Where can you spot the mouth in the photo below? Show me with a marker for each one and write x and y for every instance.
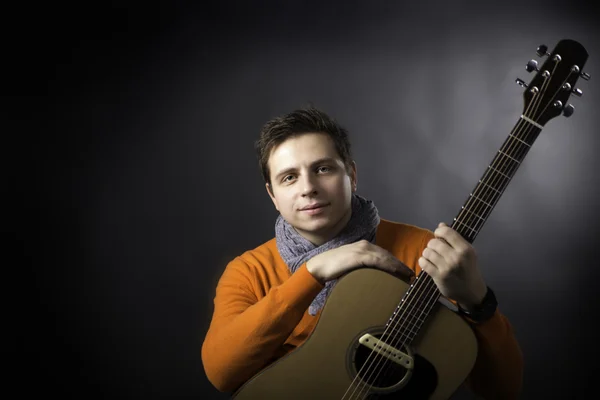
(314, 207)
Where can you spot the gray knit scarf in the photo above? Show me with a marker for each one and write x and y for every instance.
(296, 250)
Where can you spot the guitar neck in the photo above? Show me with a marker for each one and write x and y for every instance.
(423, 293)
(484, 197)
(544, 99)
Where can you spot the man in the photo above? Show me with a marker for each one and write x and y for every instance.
(269, 299)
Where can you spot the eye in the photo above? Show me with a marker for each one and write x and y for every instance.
(324, 169)
(286, 178)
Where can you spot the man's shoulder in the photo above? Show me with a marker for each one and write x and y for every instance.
(264, 254)
(260, 259)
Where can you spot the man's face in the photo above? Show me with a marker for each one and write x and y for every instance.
(306, 171)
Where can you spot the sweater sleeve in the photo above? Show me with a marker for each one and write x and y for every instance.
(498, 370)
(245, 333)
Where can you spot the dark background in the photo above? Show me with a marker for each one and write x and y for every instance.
(132, 179)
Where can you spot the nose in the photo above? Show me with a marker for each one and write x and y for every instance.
(308, 185)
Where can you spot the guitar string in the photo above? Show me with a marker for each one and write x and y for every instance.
(428, 290)
(386, 360)
(417, 296)
(425, 306)
(495, 196)
(520, 148)
(467, 225)
(512, 168)
(431, 298)
(416, 286)
(376, 354)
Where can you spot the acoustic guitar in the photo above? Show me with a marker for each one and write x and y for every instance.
(381, 337)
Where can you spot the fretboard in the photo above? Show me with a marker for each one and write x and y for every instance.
(483, 198)
(417, 303)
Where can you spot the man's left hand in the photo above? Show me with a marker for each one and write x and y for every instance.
(452, 263)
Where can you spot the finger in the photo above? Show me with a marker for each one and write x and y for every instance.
(443, 249)
(428, 267)
(439, 262)
(451, 236)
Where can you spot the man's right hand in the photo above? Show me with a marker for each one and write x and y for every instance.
(336, 262)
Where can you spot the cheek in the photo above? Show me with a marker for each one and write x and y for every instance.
(286, 202)
(343, 186)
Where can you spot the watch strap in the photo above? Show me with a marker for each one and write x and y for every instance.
(483, 311)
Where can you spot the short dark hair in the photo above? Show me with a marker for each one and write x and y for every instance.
(298, 122)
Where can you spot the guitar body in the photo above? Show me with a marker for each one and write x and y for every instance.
(362, 301)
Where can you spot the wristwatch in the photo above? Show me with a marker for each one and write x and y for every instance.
(483, 311)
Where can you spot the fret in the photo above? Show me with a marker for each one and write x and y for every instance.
(530, 136)
(487, 193)
(516, 147)
(497, 180)
(413, 310)
(525, 143)
(505, 165)
(470, 219)
(517, 161)
(489, 186)
(405, 316)
(410, 315)
(483, 201)
(506, 176)
(468, 227)
(471, 212)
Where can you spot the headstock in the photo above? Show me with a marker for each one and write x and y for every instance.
(547, 93)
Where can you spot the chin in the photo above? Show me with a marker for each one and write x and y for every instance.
(316, 227)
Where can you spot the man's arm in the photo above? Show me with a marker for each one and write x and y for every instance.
(498, 369)
(246, 333)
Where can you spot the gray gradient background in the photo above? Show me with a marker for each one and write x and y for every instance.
(140, 183)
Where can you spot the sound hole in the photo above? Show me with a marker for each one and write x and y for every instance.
(385, 377)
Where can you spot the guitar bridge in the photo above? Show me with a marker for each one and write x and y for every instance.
(389, 352)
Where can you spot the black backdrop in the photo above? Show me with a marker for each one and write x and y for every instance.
(134, 181)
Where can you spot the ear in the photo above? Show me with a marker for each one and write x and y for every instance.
(271, 195)
(353, 176)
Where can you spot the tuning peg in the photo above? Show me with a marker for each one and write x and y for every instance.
(585, 76)
(577, 92)
(542, 50)
(568, 110)
(532, 65)
(521, 82)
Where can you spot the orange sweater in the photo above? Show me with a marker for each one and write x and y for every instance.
(261, 314)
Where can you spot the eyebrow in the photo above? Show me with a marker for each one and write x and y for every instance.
(319, 161)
